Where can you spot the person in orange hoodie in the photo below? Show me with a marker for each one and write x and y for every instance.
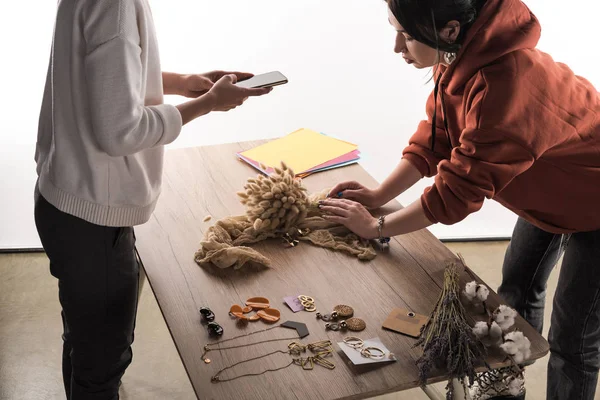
(505, 122)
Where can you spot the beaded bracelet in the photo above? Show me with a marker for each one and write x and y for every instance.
(382, 240)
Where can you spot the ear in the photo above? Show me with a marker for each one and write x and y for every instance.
(450, 32)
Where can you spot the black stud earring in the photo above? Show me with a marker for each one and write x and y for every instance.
(207, 314)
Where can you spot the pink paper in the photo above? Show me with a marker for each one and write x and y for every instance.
(353, 155)
(294, 303)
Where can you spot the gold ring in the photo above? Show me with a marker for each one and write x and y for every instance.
(366, 352)
(354, 342)
(303, 297)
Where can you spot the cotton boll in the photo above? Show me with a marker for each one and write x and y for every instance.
(517, 345)
(526, 344)
(506, 324)
(471, 290)
(519, 339)
(506, 311)
(515, 336)
(481, 329)
(495, 335)
(519, 357)
(526, 354)
(505, 317)
(482, 292)
(495, 331)
(514, 386)
(510, 348)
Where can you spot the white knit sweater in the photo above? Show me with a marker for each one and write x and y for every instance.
(103, 123)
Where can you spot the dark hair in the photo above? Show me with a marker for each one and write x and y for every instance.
(423, 19)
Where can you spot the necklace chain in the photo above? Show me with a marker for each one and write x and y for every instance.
(216, 377)
(207, 347)
(293, 348)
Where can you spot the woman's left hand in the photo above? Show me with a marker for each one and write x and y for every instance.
(196, 85)
(352, 215)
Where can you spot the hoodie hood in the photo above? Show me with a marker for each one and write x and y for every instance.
(521, 129)
(502, 27)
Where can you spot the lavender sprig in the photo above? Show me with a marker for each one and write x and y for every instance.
(447, 339)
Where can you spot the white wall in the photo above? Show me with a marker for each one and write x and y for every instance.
(345, 80)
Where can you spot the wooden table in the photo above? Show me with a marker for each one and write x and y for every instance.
(203, 181)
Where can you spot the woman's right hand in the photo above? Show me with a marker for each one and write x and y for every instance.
(226, 95)
(355, 191)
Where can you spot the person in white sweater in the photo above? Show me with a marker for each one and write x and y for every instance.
(99, 155)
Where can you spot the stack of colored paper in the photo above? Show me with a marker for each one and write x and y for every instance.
(304, 151)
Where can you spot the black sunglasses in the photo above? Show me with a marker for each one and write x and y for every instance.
(208, 317)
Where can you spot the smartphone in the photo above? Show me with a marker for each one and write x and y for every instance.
(269, 79)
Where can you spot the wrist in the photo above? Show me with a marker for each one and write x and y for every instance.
(382, 238)
(210, 100)
(179, 84)
(173, 83)
(374, 228)
(379, 197)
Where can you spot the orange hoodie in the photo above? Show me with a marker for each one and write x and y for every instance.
(522, 129)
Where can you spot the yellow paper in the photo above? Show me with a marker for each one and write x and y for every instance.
(300, 150)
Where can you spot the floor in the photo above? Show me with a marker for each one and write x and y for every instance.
(30, 332)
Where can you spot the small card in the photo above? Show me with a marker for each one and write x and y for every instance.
(406, 322)
(300, 328)
(293, 302)
(358, 359)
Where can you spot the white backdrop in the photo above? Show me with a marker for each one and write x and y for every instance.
(345, 80)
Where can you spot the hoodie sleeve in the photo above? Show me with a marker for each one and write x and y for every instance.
(486, 161)
(418, 152)
(121, 122)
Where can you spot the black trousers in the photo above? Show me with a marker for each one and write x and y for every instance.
(97, 274)
(575, 326)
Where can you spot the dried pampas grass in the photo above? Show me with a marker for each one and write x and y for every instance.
(276, 207)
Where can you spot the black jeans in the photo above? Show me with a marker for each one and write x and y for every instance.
(97, 274)
(575, 326)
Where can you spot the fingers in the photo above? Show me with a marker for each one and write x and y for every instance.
(341, 203)
(336, 190)
(340, 189)
(258, 91)
(350, 194)
(231, 78)
(335, 218)
(241, 76)
(205, 80)
(342, 212)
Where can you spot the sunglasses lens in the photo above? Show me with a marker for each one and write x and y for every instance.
(214, 329)
(207, 314)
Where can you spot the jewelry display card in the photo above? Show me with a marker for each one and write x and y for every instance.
(293, 303)
(358, 359)
(406, 322)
